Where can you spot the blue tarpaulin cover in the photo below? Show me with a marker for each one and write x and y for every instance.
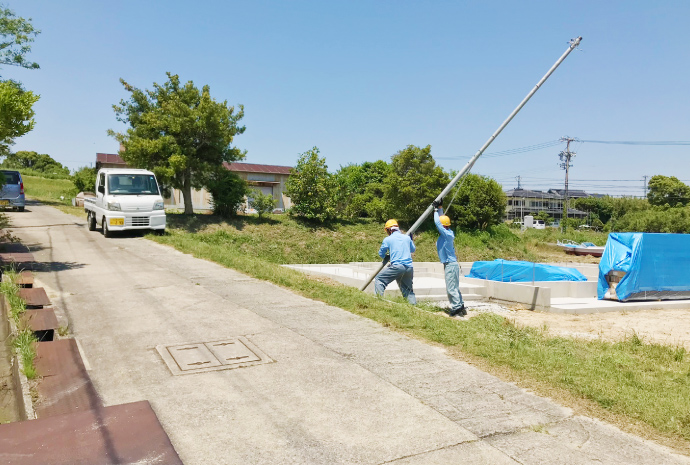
(656, 266)
(520, 272)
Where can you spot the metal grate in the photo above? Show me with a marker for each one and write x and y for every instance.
(137, 221)
(211, 356)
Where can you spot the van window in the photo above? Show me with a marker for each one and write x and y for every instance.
(11, 177)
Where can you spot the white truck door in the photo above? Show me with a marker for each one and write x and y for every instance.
(100, 190)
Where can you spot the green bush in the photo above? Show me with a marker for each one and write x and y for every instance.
(228, 191)
(262, 203)
(312, 188)
(84, 179)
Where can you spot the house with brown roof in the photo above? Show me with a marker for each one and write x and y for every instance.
(109, 160)
(269, 179)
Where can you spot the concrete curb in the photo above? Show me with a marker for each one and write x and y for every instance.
(22, 389)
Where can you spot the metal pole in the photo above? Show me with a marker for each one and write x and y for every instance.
(573, 43)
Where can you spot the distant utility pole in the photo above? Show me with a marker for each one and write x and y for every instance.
(644, 178)
(565, 157)
(519, 178)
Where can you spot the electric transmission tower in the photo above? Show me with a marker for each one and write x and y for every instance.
(566, 156)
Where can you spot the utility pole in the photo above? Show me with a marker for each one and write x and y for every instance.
(519, 178)
(571, 46)
(644, 178)
(565, 157)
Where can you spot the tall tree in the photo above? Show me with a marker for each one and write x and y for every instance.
(671, 191)
(16, 113)
(413, 183)
(179, 132)
(311, 187)
(480, 203)
(16, 36)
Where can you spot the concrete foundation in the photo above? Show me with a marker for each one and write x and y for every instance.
(549, 296)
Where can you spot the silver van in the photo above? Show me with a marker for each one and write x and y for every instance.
(12, 192)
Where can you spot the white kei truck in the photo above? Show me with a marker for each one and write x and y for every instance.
(126, 199)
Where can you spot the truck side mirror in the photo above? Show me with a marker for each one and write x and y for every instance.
(101, 189)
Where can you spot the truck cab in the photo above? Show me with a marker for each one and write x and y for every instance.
(126, 199)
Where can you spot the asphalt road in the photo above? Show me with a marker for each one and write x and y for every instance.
(330, 387)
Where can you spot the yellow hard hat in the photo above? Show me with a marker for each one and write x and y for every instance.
(445, 221)
(391, 223)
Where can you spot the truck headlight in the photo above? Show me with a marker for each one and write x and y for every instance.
(114, 206)
(158, 205)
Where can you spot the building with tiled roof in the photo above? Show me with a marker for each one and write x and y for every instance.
(522, 202)
(269, 179)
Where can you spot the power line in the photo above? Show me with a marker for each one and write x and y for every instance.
(637, 142)
(515, 151)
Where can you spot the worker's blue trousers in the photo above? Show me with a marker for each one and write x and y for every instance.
(452, 272)
(402, 275)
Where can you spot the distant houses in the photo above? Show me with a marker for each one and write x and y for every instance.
(269, 179)
(522, 202)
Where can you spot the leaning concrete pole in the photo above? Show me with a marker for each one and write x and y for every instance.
(573, 44)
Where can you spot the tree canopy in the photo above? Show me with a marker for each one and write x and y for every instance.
(16, 113)
(480, 202)
(40, 162)
(668, 191)
(413, 183)
(16, 36)
(179, 132)
(360, 189)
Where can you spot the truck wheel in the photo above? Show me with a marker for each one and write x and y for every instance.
(106, 231)
(91, 221)
(21, 209)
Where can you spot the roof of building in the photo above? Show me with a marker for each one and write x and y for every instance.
(572, 193)
(110, 158)
(252, 168)
(531, 194)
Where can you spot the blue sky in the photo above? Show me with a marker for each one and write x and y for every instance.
(362, 80)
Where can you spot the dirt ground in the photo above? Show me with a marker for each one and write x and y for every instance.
(668, 327)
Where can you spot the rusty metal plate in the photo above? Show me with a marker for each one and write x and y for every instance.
(201, 357)
(119, 434)
(21, 260)
(35, 297)
(65, 386)
(40, 319)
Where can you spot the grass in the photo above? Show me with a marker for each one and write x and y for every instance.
(24, 340)
(642, 383)
(649, 383)
(49, 191)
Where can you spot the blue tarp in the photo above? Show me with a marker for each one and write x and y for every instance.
(656, 266)
(520, 272)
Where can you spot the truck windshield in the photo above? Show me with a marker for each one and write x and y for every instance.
(132, 184)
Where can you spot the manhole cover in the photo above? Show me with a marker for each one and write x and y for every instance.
(200, 357)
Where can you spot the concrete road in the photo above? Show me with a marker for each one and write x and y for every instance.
(338, 388)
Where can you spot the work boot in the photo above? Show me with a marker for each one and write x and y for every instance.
(458, 311)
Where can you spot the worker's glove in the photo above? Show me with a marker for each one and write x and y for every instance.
(437, 203)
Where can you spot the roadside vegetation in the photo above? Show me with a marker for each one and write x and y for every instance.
(24, 339)
(646, 385)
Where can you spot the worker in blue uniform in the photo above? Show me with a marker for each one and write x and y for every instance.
(399, 247)
(445, 245)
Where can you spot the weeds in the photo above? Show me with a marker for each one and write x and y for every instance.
(24, 339)
(647, 382)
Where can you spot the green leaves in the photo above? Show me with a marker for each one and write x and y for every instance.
(413, 183)
(480, 203)
(312, 188)
(179, 132)
(16, 35)
(16, 113)
(668, 191)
